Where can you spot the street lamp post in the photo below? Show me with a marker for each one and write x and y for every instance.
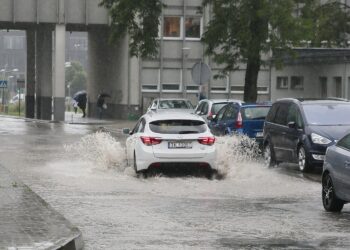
(185, 53)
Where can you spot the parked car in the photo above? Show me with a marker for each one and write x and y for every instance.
(208, 108)
(171, 104)
(245, 119)
(300, 130)
(336, 176)
(163, 140)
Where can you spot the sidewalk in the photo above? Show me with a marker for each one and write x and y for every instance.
(28, 222)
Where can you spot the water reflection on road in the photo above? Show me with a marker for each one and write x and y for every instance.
(85, 177)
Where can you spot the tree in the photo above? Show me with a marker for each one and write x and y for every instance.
(242, 31)
(75, 78)
(140, 19)
(239, 30)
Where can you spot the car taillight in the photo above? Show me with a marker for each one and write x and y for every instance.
(239, 121)
(206, 140)
(149, 141)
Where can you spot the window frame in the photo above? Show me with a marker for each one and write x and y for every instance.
(200, 28)
(170, 37)
(341, 140)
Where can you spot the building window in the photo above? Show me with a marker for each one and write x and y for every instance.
(338, 86)
(150, 79)
(323, 87)
(297, 82)
(219, 84)
(171, 79)
(172, 27)
(282, 82)
(193, 27)
(240, 89)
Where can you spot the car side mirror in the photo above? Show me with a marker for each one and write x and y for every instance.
(126, 131)
(292, 125)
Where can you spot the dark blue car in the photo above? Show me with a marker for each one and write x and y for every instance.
(241, 118)
(336, 176)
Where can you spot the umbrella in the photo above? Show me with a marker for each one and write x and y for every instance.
(80, 96)
(104, 95)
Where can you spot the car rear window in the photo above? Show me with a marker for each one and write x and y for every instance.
(175, 104)
(254, 113)
(217, 106)
(178, 127)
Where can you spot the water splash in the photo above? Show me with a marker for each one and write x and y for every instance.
(237, 153)
(101, 149)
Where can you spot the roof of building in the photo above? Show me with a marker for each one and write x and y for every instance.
(316, 56)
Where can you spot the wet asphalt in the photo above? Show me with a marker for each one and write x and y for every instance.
(84, 176)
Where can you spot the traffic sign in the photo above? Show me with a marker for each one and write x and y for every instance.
(20, 83)
(201, 73)
(3, 84)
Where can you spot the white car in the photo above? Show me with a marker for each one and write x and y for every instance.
(164, 140)
(183, 105)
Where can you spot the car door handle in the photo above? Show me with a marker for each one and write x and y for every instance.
(284, 133)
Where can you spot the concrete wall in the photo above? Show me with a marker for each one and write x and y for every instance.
(311, 75)
(53, 11)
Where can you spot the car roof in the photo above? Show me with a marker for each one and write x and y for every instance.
(306, 101)
(171, 99)
(222, 100)
(171, 115)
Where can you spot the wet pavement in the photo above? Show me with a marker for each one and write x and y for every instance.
(83, 175)
(28, 222)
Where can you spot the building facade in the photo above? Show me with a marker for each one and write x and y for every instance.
(180, 49)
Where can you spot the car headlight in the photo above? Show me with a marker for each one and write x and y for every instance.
(318, 139)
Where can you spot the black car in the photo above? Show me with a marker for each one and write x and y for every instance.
(300, 130)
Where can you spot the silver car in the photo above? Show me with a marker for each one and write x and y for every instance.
(336, 176)
(208, 108)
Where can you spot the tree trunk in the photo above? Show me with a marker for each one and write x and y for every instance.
(251, 79)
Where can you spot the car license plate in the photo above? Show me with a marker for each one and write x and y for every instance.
(259, 134)
(177, 144)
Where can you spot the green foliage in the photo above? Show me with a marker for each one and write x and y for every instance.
(140, 19)
(243, 30)
(75, 77)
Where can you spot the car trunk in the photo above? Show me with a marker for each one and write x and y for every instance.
(178, 146)
(253, 128)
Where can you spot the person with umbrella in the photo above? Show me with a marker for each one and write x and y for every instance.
(101, 103)
(81, 98)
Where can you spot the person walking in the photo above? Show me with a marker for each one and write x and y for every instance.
(101, 103)
(81, 99)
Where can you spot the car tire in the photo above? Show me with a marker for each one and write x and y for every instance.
(268, 154)
(331, 202)
(303, 162)
(135, 164)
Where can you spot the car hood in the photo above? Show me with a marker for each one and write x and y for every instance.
(332, 132)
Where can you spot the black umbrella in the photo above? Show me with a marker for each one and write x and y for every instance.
(104, 95)
(80, 96)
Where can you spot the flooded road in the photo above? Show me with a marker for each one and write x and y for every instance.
(84, 176)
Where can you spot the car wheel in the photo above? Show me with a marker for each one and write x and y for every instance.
(269, 158)
(303, 162)
(330, 201)
(135, 164)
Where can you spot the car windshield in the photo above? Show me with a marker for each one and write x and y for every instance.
(178, 126)
(175, 104)
(254, 113)
(217, 106)
(328, 114)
